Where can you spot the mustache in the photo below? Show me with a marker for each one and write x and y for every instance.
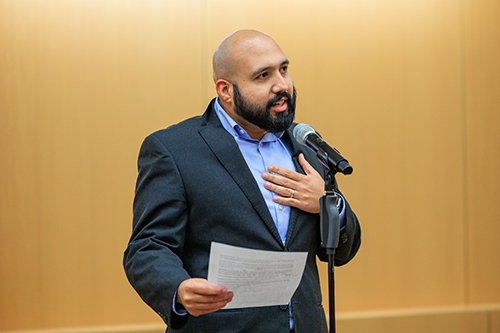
(278, 97)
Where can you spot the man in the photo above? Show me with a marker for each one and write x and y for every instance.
(235, 176)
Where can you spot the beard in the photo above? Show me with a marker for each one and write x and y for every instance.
(261, 116)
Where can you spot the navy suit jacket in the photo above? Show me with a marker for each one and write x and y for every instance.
(193, 188)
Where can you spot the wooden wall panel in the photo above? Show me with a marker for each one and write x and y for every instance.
(83, 82)
(431, 323)
(482, 114)
(495, 322)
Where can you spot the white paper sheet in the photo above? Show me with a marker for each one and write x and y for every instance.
(256, 277)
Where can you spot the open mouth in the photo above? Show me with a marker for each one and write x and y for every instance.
(280, 102)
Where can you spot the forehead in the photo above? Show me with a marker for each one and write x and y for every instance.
(257, 54)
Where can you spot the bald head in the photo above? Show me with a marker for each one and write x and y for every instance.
(234, 48)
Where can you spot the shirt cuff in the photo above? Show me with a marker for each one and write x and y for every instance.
(341, 209)
(178, 311)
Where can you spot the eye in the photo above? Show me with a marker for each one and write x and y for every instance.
(284, 69)
(263, 75)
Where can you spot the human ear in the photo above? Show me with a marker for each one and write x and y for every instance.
(224, 90)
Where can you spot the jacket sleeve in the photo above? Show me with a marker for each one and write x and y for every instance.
(152, 260)
(349, 237)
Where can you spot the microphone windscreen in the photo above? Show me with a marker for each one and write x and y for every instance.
(301, 131)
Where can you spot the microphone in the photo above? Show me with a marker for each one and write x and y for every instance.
(329, 156)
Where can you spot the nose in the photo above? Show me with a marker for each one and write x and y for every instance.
(281, 84)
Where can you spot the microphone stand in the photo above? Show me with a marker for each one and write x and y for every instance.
(330, 230)
(330, 219)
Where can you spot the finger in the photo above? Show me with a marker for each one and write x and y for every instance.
(308, 169)
(199, 291)
(283, 190)
(287, 173)
(207, 302)
(211, 290)
(282, 180)
(198, 309)
(201, 287)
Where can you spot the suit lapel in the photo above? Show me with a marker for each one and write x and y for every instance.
(227, 152)
(295, 149)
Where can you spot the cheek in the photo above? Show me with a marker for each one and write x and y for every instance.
(258, 96)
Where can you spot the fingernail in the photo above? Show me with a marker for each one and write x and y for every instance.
(265, 175)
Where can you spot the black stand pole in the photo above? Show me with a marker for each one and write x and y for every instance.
(329, 214)
(330, 229)
(331, 288)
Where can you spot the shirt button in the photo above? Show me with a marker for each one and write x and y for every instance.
(242, 131)
(280, 207)
(261, 144)
(284, 307)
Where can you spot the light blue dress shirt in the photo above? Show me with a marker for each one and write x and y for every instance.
(259, 155)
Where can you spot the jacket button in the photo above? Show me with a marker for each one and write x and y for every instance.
(284, 307)
(344, 238)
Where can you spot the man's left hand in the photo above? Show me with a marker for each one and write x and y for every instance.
(295, 189)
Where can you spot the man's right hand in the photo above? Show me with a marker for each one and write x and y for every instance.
(198, 297)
